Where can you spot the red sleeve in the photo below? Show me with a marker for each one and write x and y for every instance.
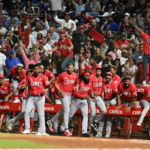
(8, 48)
(45, 81)
(69, 43)
(27, 37)
(59, 79)
(143, 34)
(50, 75)
(77, 81)
(144, 91)
(77, 94)
(115, 88)
(19, 30)
(134, 91)
(11, 71)
(103, 88)
(119, 89)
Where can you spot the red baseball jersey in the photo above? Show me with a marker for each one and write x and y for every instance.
(146, 40)
(127, 93)
(121, 43)
(13, 72)
(36, 85)
(116, 79)
(146, 93)
(48, 74)
(63, 47)
(5, 90)
(109, 90)
(96, 84)
(67, 82)
(83, 90)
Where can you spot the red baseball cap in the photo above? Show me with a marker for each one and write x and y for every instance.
(88, 51)
(1, 76)
(87, 67)
(109, 73)
(26, 17)
(62, 31)
(56, 43)
(109, 55)
(91, 17)
(86, 74)
(98, 67)
(41, 41)
(42, 23)
(82, 27)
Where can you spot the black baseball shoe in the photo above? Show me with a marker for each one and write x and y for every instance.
(85, 135)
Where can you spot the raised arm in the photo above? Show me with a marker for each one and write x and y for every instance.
(147, 15)
(87, 2)
(73, 2)
(135, 26)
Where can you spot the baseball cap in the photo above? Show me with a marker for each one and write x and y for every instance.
(1, 76)
(109, 54)
(49, 17)
(38, 19)
(127, 14)
(109, 73)
(88, 51)
(110, 6)
(82, 21)
(1, 21)
(45, 5)
(127, 77)
(29, 70)
(38, 23)
(62, 31)
(87, 67)
(86, 74)
(26, 17)
(134, 15)
(124, 34)
(98, 67)
(125, 51)
(42, 23)
(67, 14)
(97, 20)
(11, 28)
(12, 52)
(87, 39)
(22, 34)
(20, 65)
(2, 42)
(117, 58)
(91, 17)
(82, 27)
(41, 41)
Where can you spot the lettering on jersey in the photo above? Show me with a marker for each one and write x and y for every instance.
(35, 83)
(84, 89)
(69, 82)
(107, 90)
(115, 112)
(147, 40)
(136, 112)
(63, 47)
(127, 94)
(4, 92)
(147, 95)
(95, 85)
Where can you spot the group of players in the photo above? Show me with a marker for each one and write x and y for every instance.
(38, 85)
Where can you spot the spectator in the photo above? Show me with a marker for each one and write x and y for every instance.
(148, 17)
(116, 52)
(98, 56)
(49, 40)
(124, 58)
(79, 7)
(44, 60)
(87, 56)
(3, 11)
(3, 30)
(2, 63)
(39, 36)
(130, 70)
(19, 55)
(66, 24)
(109, 36)
(11, 61)
(110, 11)
(5, 46)
(28, 8)
(105, 47)
(114, 27)
(119, 67)
(95, 8)
(69, 6)
(33, 58)
(2, 18)
(139, 54)
(123, 43)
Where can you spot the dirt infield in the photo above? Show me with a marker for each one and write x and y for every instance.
(79, 142)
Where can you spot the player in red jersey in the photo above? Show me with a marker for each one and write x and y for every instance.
(65, 46)
(145, 103)
(115, 77)
(67, 81)
(5, 94)
(18, 74)
(36, 85)
(109, 93)
(80, 101)
(96, 81)
(20, 117)
(126, 95)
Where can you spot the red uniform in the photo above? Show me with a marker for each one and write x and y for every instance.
(23, 94)
(13, 72)
(109, 90)
(116, 79)
(67, 82)
(5, 90)
(63, 47)
(83, 90)
(48, 74)
(96, 84)
(127, 93)
(146, 93)
(121, 43)
(37, 84)
(146, 40)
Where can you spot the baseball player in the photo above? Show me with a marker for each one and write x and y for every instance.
(96, 81)
(128, 93)
(80, 101)
(18, 74)
(109, 93)
(5, 94)
(36, 86)
(67, 81)
(115, 77)
(65, 46)
(145, 103)
(20, 117)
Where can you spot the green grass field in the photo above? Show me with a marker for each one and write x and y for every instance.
(22, 144)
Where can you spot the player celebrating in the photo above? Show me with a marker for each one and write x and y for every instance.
(18, 74)
(67, 81)
(96, 81)
(109, 93)
(5, 94)
(65, 46)
(129, 93)
(36, 84)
